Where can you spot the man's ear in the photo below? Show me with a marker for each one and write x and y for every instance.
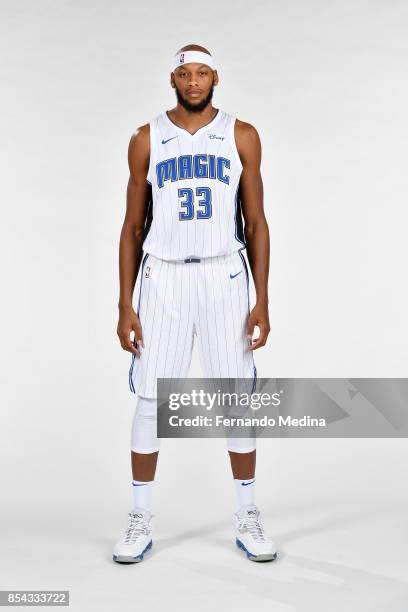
(216, 78)
(172, 83)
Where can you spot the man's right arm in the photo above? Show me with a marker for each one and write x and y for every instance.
(132, 235)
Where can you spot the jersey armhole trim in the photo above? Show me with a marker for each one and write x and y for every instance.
(233, 142)
(152, 140)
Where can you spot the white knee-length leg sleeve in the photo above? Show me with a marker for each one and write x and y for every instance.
(241, 445)
(144, 427)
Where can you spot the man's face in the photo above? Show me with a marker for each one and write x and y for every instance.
(194, 85)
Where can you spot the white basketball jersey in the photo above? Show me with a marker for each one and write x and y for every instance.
(195, 209)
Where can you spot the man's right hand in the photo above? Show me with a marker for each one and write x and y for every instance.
(128, 322)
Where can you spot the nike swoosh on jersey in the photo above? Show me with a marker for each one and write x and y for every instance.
(234, 275)
(172, 138)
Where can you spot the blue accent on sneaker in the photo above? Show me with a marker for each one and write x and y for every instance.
(138, 557)
(148, 547)
(242, 547)
(251, 555)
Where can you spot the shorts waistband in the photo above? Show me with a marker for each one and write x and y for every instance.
(192, 259)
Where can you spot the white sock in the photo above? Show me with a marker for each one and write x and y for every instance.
(245, 491)
(142, 494)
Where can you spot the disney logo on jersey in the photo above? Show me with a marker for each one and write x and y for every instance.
(214, 136)
(200, 165)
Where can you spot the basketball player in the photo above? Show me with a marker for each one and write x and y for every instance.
(193, 169)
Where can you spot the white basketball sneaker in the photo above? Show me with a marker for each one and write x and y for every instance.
(137, 538)
(250, 535)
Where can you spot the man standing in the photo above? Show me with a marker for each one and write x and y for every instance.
(194, 172)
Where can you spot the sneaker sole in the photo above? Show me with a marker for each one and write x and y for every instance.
(252, 557)
(128, 559)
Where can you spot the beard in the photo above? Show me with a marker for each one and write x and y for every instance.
(195, 108)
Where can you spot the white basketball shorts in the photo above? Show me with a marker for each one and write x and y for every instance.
(180, 300)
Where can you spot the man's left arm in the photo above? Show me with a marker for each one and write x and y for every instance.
(256, 227)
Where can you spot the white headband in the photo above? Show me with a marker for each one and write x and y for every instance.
(198, 57)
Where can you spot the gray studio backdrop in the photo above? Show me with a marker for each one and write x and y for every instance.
(325, 85)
